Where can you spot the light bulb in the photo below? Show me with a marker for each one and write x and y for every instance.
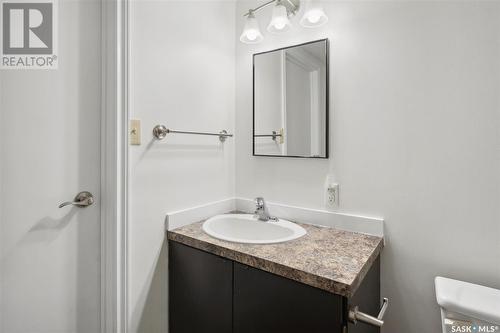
(279, 25)
(279, 21)
(251, 33)
(314, 16)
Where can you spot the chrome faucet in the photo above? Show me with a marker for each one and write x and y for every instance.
(261, 211)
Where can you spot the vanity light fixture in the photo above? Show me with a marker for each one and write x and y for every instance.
(314, 16)
(279, 22)
(251, 33)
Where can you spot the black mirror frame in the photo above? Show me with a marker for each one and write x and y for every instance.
(327, 105)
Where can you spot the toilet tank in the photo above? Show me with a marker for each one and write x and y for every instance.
(467, 307)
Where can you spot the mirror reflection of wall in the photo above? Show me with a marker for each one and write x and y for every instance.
(290, 101)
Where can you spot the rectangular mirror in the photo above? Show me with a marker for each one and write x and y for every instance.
(290, 101)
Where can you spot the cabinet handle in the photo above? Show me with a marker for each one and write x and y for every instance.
(355, 315)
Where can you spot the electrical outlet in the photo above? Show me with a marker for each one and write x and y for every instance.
(332, 195)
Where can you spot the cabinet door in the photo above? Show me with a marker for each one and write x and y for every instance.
(264, 302)
(200, 291)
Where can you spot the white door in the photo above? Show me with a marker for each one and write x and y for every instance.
(50, 151)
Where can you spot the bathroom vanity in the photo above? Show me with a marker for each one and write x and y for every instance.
(309, 284)
(226, 277)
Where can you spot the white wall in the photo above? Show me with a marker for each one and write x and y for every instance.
(2, 161)
(183, 76)
(50, 150)
(414, 138)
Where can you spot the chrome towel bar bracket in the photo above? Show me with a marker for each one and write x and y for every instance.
(160, 132)
(355, 315)
(275, 134)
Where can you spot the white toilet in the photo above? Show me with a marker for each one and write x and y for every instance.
(467, 307)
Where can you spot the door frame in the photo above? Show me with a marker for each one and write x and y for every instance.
(114, 165)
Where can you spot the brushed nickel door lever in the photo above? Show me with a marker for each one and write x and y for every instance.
(82, 199)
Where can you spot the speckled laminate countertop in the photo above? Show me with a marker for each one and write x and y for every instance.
(326, 258)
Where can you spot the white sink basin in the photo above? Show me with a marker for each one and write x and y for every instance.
(245, 228)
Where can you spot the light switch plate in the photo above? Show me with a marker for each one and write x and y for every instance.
(135, 132)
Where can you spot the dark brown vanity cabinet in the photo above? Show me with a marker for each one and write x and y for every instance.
(208, 293)
(200, 291)
(264, 302)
